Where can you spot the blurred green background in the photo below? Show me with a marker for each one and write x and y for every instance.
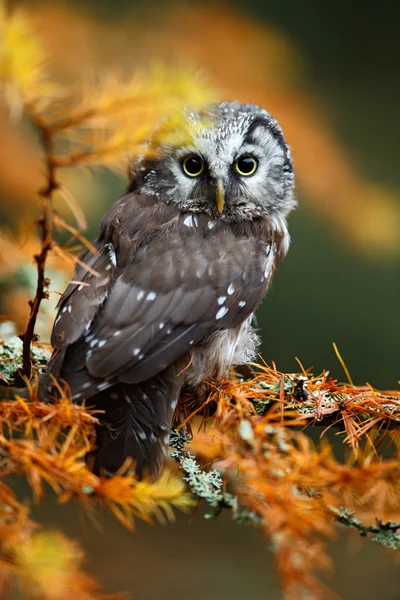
(340, 60)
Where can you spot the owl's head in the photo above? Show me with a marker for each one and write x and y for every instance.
(235, 166)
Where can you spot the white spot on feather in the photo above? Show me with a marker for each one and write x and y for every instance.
(221, 313)
(101, 344)
(221, 299)
(190, 221)
(80, 288)
(151, 296)
(211, 224)
(242, 303)
(142, 434)
(140, 295)
(111, 255)
(118, 332)
(136, 351)
(230, 289)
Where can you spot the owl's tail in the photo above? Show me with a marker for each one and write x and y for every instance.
(136, 424)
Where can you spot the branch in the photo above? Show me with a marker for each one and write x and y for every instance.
(304, 399)
(385, 533)
(46, 226)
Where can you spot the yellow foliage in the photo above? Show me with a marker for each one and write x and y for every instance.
(47, 443)
(268, 69)
(48, 565)
(22, 58)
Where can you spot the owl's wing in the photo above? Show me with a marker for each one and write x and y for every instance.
(177, 291)
(84, 295)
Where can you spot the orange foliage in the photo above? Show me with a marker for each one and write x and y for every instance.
(296, 489)
(47, 444)
(268, 69)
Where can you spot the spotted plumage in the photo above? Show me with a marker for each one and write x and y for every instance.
(183, 261)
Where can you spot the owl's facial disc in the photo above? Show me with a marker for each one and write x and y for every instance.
(239, 167)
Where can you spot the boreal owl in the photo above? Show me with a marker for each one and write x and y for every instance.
(184, 259)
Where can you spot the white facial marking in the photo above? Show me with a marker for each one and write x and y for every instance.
(221, 313)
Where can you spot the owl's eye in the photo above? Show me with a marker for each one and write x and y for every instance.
(246, 165)
(193, 165)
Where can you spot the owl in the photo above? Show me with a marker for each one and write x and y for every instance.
(183, 260)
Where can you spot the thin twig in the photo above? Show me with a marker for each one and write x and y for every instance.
(46, 229)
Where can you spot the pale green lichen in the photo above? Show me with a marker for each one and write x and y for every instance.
(207, 485)
(11, 354)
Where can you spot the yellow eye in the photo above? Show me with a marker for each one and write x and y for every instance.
(246, 165)
(193, 165)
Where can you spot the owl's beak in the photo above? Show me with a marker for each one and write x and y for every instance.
(220, 196)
